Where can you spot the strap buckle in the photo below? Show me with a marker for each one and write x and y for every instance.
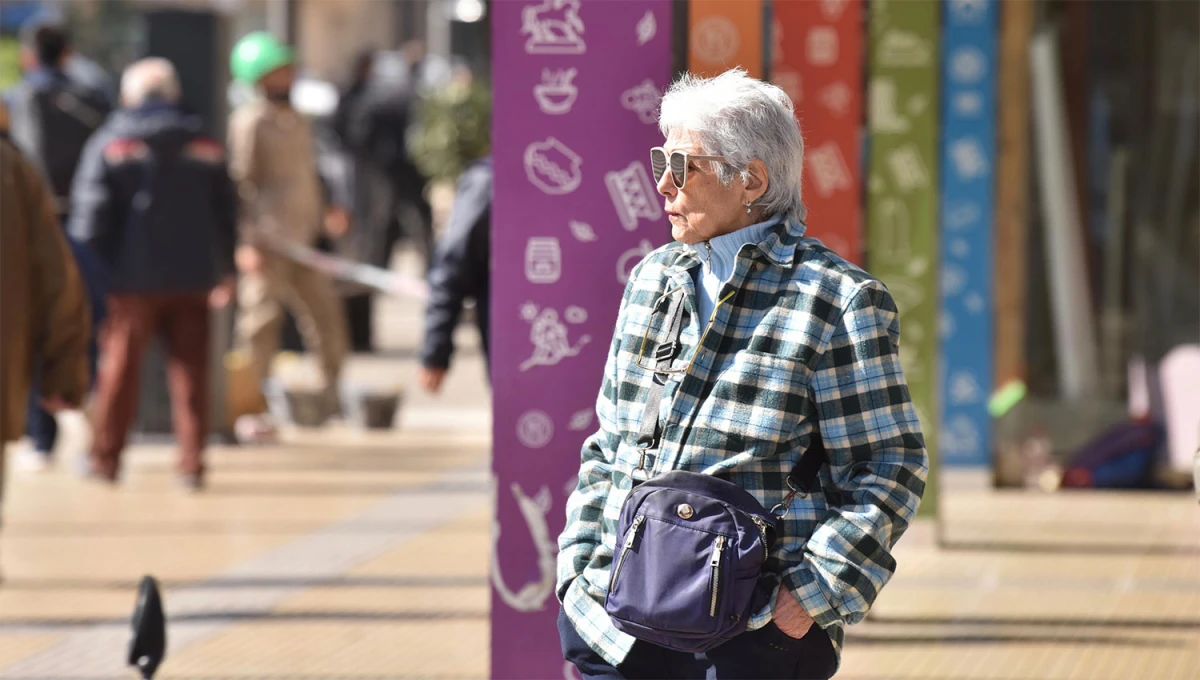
(640, 473)
(781, 510)
(666, 351)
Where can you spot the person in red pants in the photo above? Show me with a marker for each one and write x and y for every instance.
(154, 200)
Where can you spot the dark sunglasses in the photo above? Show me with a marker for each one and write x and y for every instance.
(677, 162)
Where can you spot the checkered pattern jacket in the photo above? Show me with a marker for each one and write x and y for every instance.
(805, 340)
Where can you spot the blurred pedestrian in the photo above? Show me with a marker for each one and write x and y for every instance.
(44, 318)
(53, 115)
(460, 271)
(372, 120)
(154, 201)
(273, 160)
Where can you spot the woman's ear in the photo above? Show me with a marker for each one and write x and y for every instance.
(757, 182)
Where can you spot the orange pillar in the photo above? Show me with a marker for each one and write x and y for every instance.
(817, 59)
(723, 34)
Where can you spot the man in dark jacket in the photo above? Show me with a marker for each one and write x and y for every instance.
(460, 270)
(372, 118)
(53, 115)
(154, 200)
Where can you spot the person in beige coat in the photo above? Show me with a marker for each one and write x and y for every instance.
(273, 161)
(45, 321)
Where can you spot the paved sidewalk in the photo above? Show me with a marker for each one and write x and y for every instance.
(306, 559)
(1087, 586)
(343, 555)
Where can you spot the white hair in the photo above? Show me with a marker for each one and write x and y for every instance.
(151, 78)
(742, 118)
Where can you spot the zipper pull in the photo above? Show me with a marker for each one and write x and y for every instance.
(633, 531)
(716, 558)
(708, 264)
(762, 532)
(762, 526)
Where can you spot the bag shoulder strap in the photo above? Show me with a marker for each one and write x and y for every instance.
(802, 475)
(804, 472)
(664, 354)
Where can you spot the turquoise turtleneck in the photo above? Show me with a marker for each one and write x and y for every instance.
(719, 261)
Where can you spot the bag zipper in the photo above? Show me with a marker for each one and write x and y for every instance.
(715, 564)
(762, 532)
(629, 539)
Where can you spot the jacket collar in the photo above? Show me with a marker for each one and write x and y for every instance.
(778, 246)
(153, 107)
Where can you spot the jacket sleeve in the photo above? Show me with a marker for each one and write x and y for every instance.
(245, 169)
(61, 317)
(877, 460)
(351, 121)
(225, 208)
(459, 262)
(580, 539)
(95, 223)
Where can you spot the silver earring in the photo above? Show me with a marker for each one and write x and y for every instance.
(747, 208)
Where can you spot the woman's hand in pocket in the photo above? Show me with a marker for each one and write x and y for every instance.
(790, 616)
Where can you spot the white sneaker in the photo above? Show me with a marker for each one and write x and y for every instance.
(255, 429)
(32, 460)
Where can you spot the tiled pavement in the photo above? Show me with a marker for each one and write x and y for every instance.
(339, 555)
(1086, 586)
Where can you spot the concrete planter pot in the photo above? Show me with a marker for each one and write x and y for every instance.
(300, 406)
(372, 408)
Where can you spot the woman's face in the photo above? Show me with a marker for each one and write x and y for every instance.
(704, 208)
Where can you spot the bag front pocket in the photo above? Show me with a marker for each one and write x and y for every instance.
(630, 539)
(670, 577)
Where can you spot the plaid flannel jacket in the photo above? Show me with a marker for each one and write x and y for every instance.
(805, 340)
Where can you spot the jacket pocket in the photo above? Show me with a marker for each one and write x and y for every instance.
(756, 402)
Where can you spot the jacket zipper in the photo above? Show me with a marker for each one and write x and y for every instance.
(715, 564)
(762, 532)
(633, 532)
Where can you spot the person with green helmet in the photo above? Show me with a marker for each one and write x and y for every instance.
(272, 157)
(256, 55)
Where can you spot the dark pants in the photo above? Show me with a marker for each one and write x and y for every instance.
(40, 424)
(133, 320)
(762, 654)
(391, 208)
(387, 208)
(360, 319)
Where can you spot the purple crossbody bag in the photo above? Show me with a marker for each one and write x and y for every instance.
(687, 571)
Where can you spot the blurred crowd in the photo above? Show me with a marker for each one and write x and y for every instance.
(123, 223)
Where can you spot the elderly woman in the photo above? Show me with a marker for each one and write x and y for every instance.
(781, 346)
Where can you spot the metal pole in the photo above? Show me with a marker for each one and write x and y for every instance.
(281, 19)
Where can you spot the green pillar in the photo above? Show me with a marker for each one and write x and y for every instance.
(902, 201)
